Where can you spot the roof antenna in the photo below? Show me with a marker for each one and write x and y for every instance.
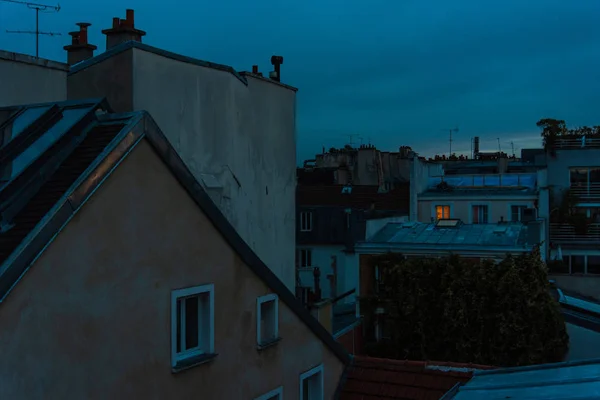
(37, 7)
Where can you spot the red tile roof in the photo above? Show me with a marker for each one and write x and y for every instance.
(371, 378)
(360, 197)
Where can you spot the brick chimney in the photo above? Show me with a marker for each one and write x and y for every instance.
(123, 30)
(276, 61)
(79, 49)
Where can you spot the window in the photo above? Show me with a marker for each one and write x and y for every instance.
(305, 258)
(442, 212)
(192, 323)
(276, 394)
(311, 384)
(516, 212)
(306, 221)
(577, 264)
(593, 264)
(267, 319)
(480, 214)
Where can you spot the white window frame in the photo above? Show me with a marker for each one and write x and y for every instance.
(518, 204)
(435, 205)
(308, 251)
(259, 302)
(308, 216)
(307, 375)
(275, 392)
(489, 211)
(188, 292)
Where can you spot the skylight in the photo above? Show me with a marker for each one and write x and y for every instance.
(22, 120)
(448, 223)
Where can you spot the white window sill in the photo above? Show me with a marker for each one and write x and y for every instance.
(268, 344)
(193, 361)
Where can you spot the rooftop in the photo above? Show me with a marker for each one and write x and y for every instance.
(31, 60)
(506, 235)
(370, 378)
(357, 197)
(568, 380)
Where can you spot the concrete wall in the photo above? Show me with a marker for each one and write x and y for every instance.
(111, 78)
(91, 318)
(238, 140)
(26, 79)
(461, 209)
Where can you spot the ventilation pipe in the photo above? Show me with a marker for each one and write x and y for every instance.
(276, 74)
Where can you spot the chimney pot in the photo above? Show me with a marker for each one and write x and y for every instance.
(129, 18)
(79, 49)
(276, 61)
(116, 22)
(83, 32)
(255, 69)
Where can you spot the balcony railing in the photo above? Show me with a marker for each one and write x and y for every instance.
(486, 180)
(575, 142)
(588, 192)
(566, 233)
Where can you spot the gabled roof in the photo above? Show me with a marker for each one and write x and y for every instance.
(36, 203)
(369, 378)
(566, 380)
(361, 197)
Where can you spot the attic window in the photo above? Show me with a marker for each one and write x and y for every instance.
(347, 190)
(447, 223)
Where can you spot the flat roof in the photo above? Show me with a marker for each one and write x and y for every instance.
(510, 234)
(567, 380)
(31, 60)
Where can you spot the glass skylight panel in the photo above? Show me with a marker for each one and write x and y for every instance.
(47, 139)
(23, 121)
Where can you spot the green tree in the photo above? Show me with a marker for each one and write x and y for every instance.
(452, 309)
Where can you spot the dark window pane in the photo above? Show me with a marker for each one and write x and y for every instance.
(579, 177)
(191, 323)
(593, 264)
(595, 175)
(577, 264)
(558, 267)
(178, 326)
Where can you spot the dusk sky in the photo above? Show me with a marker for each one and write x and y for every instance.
(394, 72)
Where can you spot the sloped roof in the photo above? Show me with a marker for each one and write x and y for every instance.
(358, 197)
(59, 177)
(369, 378)
(567, 380)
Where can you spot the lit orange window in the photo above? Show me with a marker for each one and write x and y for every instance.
(442, 212)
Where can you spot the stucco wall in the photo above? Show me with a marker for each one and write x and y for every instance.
(239, 140)
(461, 209)
(91, 318)
(26, 79)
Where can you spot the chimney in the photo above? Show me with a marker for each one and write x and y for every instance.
(475, 146)
(123, 30)
(79, 49)
(276, 61)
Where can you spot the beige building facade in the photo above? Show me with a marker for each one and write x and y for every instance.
(135, 286)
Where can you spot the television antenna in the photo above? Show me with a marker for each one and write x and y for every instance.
(37, 7)
(450, 131)
(352, 136)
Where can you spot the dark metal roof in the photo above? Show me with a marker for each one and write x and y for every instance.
(141, 46)
(567, 380)
(68, 173)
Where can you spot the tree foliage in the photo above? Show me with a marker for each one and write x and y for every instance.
(452, 309)
(555, 128)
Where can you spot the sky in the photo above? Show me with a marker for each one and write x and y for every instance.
(385, 72)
